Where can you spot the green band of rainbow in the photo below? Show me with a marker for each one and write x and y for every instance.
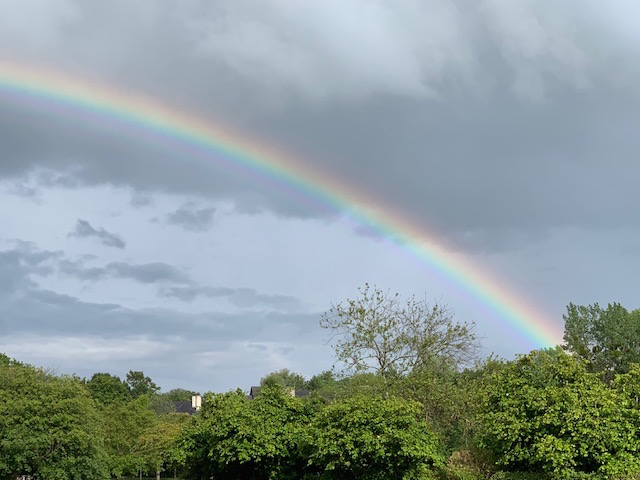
(72, 97)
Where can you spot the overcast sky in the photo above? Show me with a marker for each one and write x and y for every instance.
(509, 128)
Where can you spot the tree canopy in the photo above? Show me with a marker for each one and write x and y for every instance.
(106, 388)
(379, 332)
(49, 426)
(284, 378)
(139, 384)
(546, 413)
(607, 338)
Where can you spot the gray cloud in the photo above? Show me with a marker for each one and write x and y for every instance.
(46, 327)
(139, 200)
(83, 229)
(482, 122)
(19, 264)
(192, 218)
(24, 190)
(240, 297)
(146, 273)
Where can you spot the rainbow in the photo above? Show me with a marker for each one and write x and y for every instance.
(135, 114)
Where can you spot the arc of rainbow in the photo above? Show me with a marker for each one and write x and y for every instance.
(71, 96)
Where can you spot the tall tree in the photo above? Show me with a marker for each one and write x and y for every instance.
(284, 378)
(178, 395)
(158, 444)
(607, 338)
(125, 424)
(139, 384)
(106, 388)
(378, 331)
(49, 427)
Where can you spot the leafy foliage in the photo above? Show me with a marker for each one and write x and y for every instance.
(178, 395)
(372, 438)
(233, 437)
(284, 378)
(125, 423)
(49, 426)
(609, 339)
(139, 384)
(106, 388)
(545, 413)
(379, 332)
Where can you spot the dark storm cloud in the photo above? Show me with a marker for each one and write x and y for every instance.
(83, 229)
(498, 124)
(240, 297)
(191, 218)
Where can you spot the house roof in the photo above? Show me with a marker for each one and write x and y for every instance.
(184, 407)
(254, 392)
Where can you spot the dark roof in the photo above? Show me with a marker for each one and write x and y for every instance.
(302, 393)
(184, 407)
(254, 392)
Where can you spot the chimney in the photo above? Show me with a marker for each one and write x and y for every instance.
(196, 402)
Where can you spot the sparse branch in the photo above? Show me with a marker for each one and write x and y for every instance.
(380, 332)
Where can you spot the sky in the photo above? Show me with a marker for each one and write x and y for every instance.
(506, 129)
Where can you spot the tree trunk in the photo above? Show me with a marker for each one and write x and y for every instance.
(158, 474)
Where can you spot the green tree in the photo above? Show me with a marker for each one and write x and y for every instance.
(125, 424)
(106, 388)
(545, 413)
(178, 395)
(371, 437)
(49, 426)
(609, 339)
(284, 378)
(233, 437)
(380, 332)
(158, 444)
(139, 384)
(324, 380)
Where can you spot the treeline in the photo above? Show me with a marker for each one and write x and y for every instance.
(64, 427)
(413, 402)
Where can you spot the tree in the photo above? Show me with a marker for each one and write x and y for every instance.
(106, 388)
(178, 395)
(321, 381)
(158, 443)
(545, 413)
(49, 426)
(608, 339)
(125, 423)
(233, 437)
(380, 332)
(139, 384)
(284, 378)
(371, 437)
